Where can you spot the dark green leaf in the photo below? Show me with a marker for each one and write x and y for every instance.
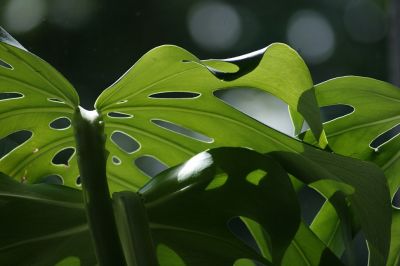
(42, 225)
(189, 206)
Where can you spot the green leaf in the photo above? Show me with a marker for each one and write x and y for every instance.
(308, 250)
(376, 110)
(394, 255)
(370, 202)
(326, 225)
(43, 225)
(193, 220)
(32, 96)
(152, 120)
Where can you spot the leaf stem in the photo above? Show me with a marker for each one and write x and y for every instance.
(92, 157)
(134, 230)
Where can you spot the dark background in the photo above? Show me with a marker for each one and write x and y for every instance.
(93, 42)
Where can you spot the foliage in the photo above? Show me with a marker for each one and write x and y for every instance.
(166, 109)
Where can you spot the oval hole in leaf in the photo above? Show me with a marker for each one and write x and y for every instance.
(175, 95)
(150, 165)
(310, 203)
(119, 115)
(5, 64)
(60, 123)
(62, 157)
(12, 141)
(182, 130)
(10, 96)
(78, 181)
(53, 179)
(336, 111)
(259, 105)
(167, 256)
(238, 228)
(256, 176)
(116, 160)
(124, 141)
(385, 137)
(396, 199)
(218, 181)
(55, 100)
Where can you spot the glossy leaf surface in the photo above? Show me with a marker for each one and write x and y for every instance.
(172, 112)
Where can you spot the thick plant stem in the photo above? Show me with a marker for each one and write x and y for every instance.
(133, 228)
(92, 156)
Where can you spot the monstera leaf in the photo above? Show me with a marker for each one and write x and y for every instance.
(369, 131)
(38, 102)
(190, 208)
(165, 108)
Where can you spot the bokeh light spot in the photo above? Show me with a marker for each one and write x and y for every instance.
(312, 35)
(21, 16)
(214, 26)
(365, 21)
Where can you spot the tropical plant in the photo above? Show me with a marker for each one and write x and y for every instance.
(220, 166)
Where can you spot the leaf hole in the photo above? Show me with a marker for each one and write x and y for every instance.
(150, 165)
(175, 95)
(218, 181)
(55, 100)
(60, 123)
(239, 229)
(119, 115)
(310, 203)
(124, 141)
(256, 176)
(259, 105)
(4, 96)
(336, 111)
(5, 65)
(182, 130)
(13, 141)
(164, 251)
(116, 160)
(78, 181)
(53, 179)
(385, 137)
(63, 157)
(396, 199)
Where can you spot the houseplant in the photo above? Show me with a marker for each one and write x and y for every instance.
(165, 109)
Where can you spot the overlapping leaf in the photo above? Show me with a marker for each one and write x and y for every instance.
(370, 131)
(32, 96)
(188, 214)
(376, 111)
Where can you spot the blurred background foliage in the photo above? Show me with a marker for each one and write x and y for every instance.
(93, 42)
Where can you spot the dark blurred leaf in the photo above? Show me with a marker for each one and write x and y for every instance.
(42, 225)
